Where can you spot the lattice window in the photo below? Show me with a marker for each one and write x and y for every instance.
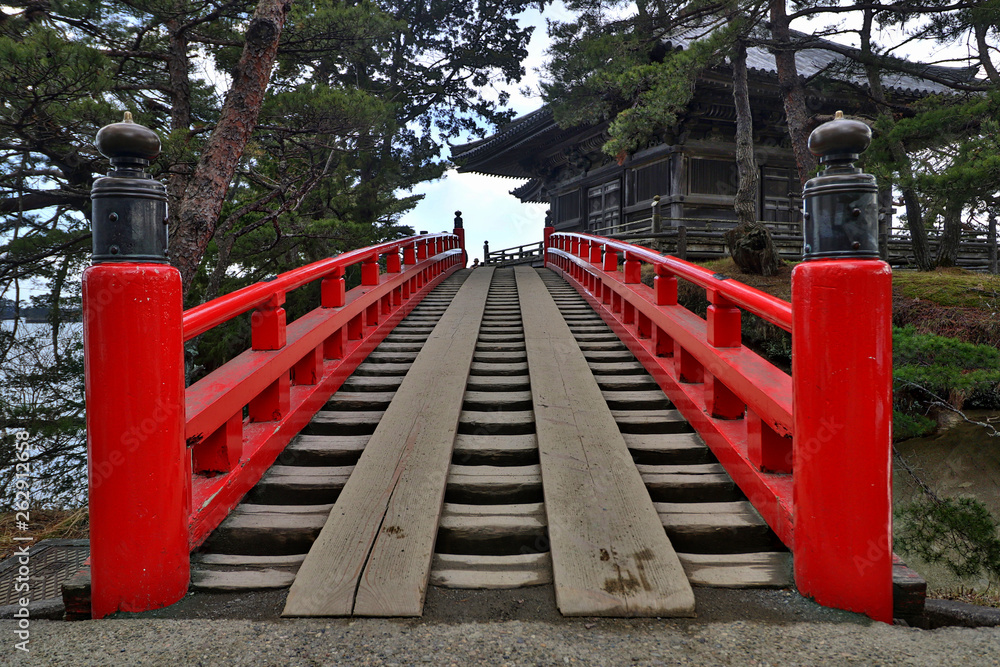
(648, 181)
(713, 177)
(568, 206)
(604, 207)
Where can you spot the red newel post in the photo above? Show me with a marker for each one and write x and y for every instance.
(460, 233)
(138, 465)
(547, 233)
(842, 375)
(369, 270)
(392, 262)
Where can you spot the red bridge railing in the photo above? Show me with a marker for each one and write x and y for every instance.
(811, 451)
(167, 464)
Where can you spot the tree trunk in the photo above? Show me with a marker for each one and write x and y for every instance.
(793, 94)
(984, 52)
(951, 235)
(198, 210)
(914, 214)
(178, 64)
(749, 242)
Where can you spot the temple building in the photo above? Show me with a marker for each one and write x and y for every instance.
(691, 167)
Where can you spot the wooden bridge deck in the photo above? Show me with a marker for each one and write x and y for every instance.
(502, 436)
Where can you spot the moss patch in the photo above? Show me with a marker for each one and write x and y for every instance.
(954, 288)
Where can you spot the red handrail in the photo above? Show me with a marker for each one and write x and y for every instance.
(762, 304)
(199, 319)
(147, 433)
(812, 452)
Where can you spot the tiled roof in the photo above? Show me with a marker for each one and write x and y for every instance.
(496, 154)
(811, 62)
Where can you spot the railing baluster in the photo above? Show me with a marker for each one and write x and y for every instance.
(267, 332)
(221, 451)
(723, 330)
(665, 293)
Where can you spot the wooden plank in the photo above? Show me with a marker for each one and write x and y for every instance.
(241, 580)
(491, 572)
(492, 529)
(308, 450)
(497, 484)
(610, 554)
(482, 449)
(373, 555)
(766, 569)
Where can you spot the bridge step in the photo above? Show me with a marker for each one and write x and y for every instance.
(495, 450)
(610, 554)
(323, 450)
(373, 555)
(493, 488)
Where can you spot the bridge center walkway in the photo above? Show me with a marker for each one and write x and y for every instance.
(500, 437)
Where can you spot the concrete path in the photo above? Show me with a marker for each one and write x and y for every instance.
(416, 642)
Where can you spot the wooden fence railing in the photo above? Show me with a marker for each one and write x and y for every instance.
(522, 254)
(698, 239)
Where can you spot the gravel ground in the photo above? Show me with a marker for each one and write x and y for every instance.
(521, 627)
(580, 642)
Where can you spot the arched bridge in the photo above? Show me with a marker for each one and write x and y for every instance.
(492, 427)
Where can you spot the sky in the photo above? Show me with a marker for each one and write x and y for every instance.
(489, 212)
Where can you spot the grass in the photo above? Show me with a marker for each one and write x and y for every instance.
(953, 288)
(990, 597)
(44, 524)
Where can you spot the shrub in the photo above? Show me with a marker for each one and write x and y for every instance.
(928, 367)
(960, 533)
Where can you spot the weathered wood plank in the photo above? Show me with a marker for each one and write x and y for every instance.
(767, 569)
(610, 553)
(481, 449)
(497, 383)
(373, 383)
(329, 450)
(636, 400)
(491, 572)
(373, 556)
(667, 448)
(511, 422)
(497, 484)
(492, 529)
(364, 401)
(719, 528)
(249, 580)
(497, 400)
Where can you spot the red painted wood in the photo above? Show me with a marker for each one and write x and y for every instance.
(308, 370)
(221, 451)
(595, 253)
(842, 369)
(214, 497)
(138, 471)
(201, 318)
(392, 262)
(369, 270)
(834, 511)
(767, 450)
(770, 494)
(333, 290)
(759, 303)
(267, 324)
